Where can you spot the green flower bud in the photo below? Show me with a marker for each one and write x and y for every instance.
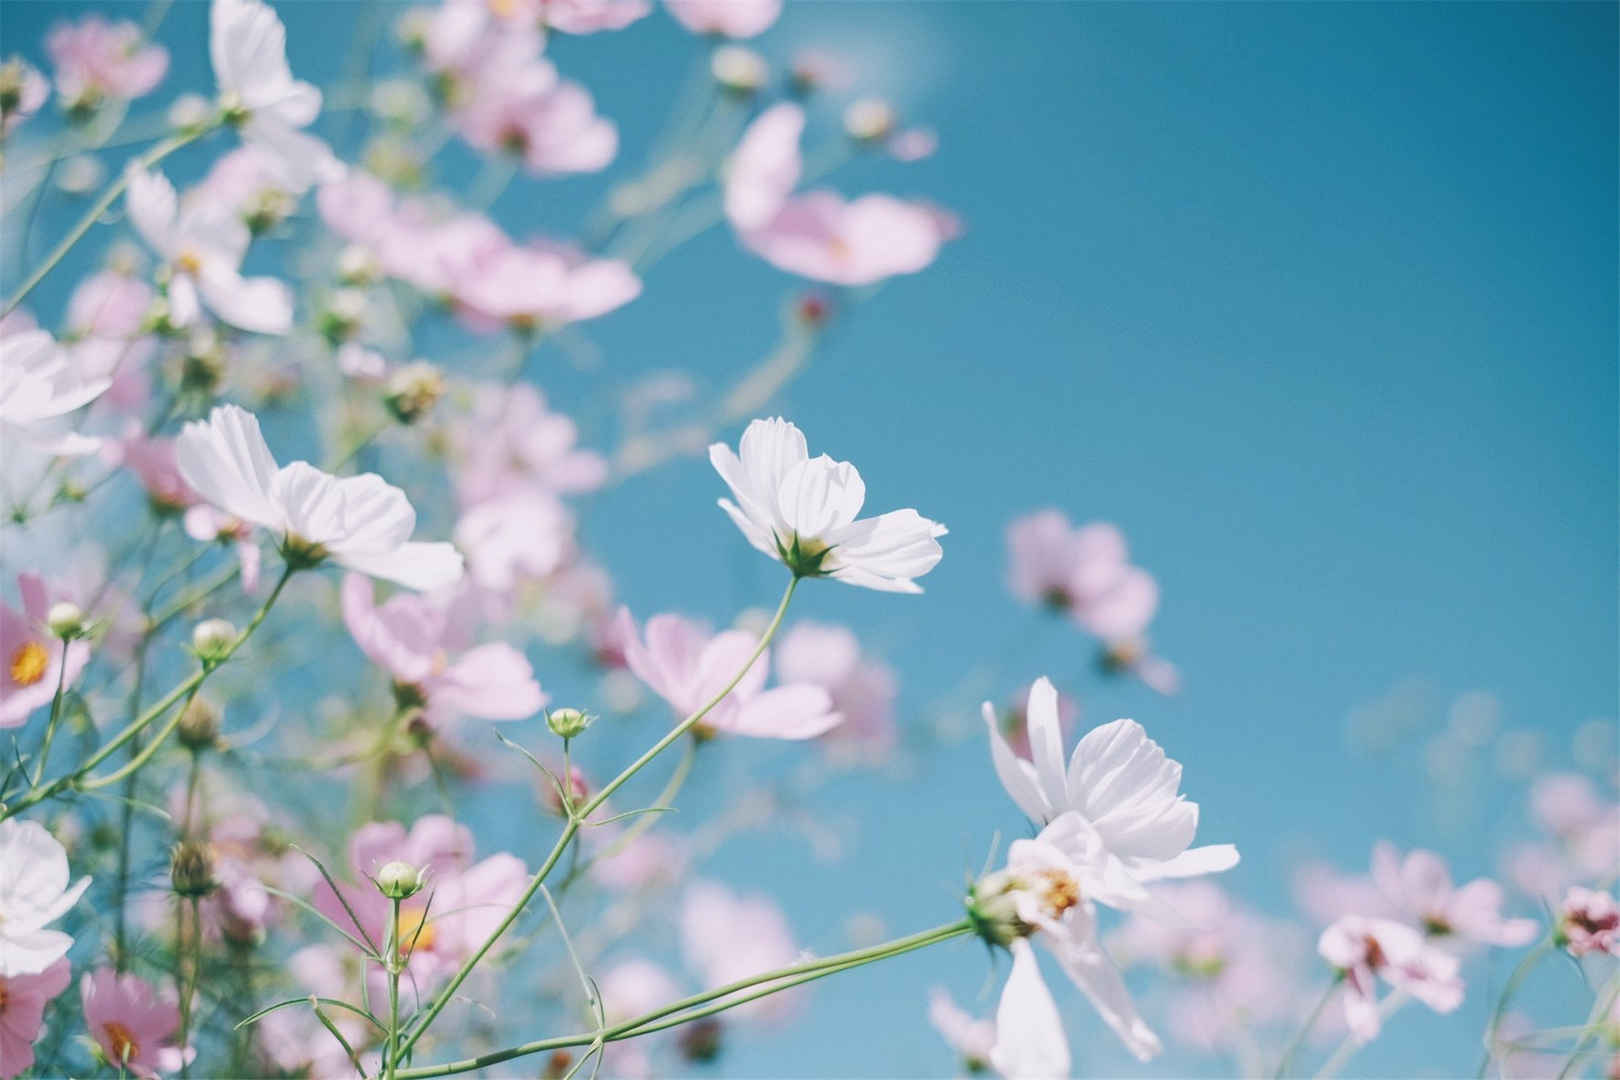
(568, 723)
(398, 880)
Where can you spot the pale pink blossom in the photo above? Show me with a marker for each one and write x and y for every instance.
(726, 937)
(34, 892)
(687, 666)
(203, 522)
(511, 439)
(412, 638)
(538, 287)
(252, 183)
(591, 16)
(913, 144)
(1419, 886)
(1566, 803)
(40, 385)
(22, 1014)
(971, 1037)
(764, 168)
(802, 511)
(132, 1021)
(97, 60)
(1367, 949)
(862, 690)
(823, 236)
(22, 80)
(469, 899)
(518, 537)
(294, 1040)
(549, 123)
(35, 659)
(109, 304)
(651, 858)
(727, 18)
(1589, 921)
(1119, 787)
(203, 243)
(359, 522)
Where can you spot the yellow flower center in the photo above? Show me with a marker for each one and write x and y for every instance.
(503, 9)
(28, 663)
(1059, 892)
(413, 931)
(121, 1045)
(188, 262)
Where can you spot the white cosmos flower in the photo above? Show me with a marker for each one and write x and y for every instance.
(40, 384)
(1044, 894)
(203, 245)
(34, 891)
(360, 522)
(248, 46)
(1124, 795)
(802, 510)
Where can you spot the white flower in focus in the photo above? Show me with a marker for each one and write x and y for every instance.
(204, 244)
(39, 384)
(360, 522)
(802, 510)
(248, 46)
(34, 891)
(1046, 894)
(1122, 790)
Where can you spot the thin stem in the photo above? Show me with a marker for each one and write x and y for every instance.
(391, 1050)
(56, 715)
(1520, 971)
(1310, 1022)
(442, 998)
(698, 1005)
(1351, 1044)
(1600, 1008)
(188, 987)
(183, 690)
(152, 156)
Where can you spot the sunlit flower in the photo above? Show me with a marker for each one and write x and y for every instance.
(413, 639)
(802, 510)
(1420, 888)
(1045, 894)
(22, 1014)
(1122, 789)
(729, 18)
(825, 237)
(34, 892)
(360, 522)
(537, 287)
(39, 386)
(1589, 921)
(726, 937)
(549, 123)
(132, 1023)
(97, 61)
(203, 244)
(248, 46)
(687, 667)
(518, 537)
(35, 659)
(1366, 949)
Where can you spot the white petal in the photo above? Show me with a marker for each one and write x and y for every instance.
(820, 495)
(1030, 1044)
(1046, 742)
(226, 461)
(261, 305)
(423, 567)
(1123, 782)
(767, 450)
(184, 307)
(799, 711)
(32, 952)
(1016, 775)
(1095, 974)
(1209, 859)
(153, 207)
(887, 551)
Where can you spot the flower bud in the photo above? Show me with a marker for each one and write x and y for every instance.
(568, 723)
(869, 120)
(578, 792)
(198, 727)
(992, 907)
(412, 391)
(701, 1040)
(65, 620)
(203, 365)
(356, 266)
(398, 880)
(190, 112)
(212, 639)
(341, 316)
(191, 869)
(738, 70)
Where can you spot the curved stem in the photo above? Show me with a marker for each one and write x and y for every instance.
(699, 1005)
(442, 998)
(1350, 1045)
(1310, 1022)
(116, 188)
(56, 715)
(1600, 1007)
(1509, 988)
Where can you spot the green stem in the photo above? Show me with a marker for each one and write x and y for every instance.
(186, 688)
(187, 987)
(1310, 1022)
(1520, 971)
(145, 161)
(391, 1052)
(1351, 1044)
(699, 1005)
(442, 998)
(56, 715)
(1600, 1008)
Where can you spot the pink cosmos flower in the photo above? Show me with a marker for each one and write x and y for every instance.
(294, 1041)
(109, 304)
(35, 659)
(252, 183)
(411, 638)
(514, 538)
(862, 690)
(726, 937)
(651, 858)
(1420, 888)
(132, 1023)
(98, 61)
(21, 78)
(541, 286)
(469, 899)
(686, 666)
(1567, 803)
(1366, 949)
(764, 169)
(1121, 791)
(728, 18)
(203, 522)
(548, 122)
(822, 236)
(590, 16)
(22, 1014)
(972, 1038)
(511, 439)
(1589, 921)
(631, 988)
